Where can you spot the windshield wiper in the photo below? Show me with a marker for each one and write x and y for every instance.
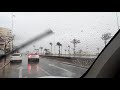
(39, 37)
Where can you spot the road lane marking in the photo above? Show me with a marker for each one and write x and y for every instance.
(20, 72)
(60, 68)
(45, 71)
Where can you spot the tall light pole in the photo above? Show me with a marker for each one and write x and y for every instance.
(98, 50)
(69, 49)
(117, 20)
(54, 44)
(65, 52)
(12, 27)
(75, 41)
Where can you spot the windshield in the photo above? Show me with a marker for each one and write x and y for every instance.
(76, 41)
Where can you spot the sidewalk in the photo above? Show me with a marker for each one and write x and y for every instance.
(3, 63)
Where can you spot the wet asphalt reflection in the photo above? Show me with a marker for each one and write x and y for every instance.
(45, 67)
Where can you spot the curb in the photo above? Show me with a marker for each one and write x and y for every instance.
(4, 65)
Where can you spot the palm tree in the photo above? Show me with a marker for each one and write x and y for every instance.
(41, 49)
(105, 37)
(59, 45)
(75, 41)
(51, 46)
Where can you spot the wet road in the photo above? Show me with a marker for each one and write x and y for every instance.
(44, 67)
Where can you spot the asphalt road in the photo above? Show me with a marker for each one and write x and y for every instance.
(43, 68)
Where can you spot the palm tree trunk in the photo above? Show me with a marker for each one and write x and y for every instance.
(65, 53)
(59, 50)
(74, 49)
(51, 49)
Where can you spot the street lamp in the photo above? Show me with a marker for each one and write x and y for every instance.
(12, 27)
(98, 50)
(69, 49)
(117, 20)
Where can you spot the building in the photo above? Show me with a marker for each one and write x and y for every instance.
(4, 34)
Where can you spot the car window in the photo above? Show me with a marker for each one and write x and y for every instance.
(77, 39)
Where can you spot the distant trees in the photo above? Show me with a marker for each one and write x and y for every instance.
(75, 41)
(105, 37)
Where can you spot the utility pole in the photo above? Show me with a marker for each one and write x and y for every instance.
(98, 50)
(61, 49)
(75, 41)
(117, 20)
(65, 52)
(69, 49)
(12, 28)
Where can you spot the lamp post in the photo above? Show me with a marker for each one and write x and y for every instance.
(69, 49)
(117, 20)
(12, 27)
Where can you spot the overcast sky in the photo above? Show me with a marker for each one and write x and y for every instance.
(85, 26)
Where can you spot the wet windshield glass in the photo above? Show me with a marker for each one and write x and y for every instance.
(76, 41)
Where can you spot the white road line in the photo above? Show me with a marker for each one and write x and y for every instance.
(45, 71)
(20, 72)
(60, 68)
